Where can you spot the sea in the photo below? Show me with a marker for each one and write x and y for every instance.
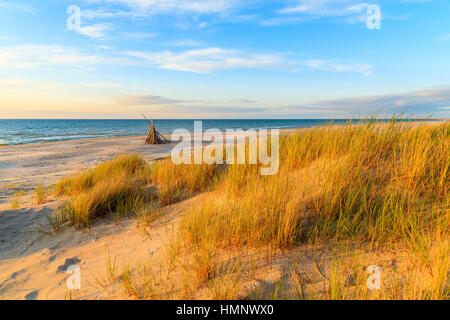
(26, 131)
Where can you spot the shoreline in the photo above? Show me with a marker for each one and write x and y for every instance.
(132, 136)
(70, 140)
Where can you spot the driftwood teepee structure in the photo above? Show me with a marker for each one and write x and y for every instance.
(154, 137)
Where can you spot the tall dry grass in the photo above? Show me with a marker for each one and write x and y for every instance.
(374, 184)
(371, 182)
(176, 182)
(122, 187)
(115, 187)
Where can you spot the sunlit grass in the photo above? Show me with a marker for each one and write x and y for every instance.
(176, 182)
(376, 184)
(115, 187)
(370, 182)
(40, 195)
(17, 201)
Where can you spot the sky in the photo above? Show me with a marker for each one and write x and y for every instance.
(224, 58)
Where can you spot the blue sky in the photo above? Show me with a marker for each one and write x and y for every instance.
(223, 59)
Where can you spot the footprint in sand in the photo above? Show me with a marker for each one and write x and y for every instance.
(67, 264)
(32, 295)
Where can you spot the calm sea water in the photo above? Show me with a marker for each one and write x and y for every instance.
(13, 132)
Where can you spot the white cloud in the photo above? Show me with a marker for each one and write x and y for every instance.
(305, 10)
(144, 100)
(204, 60)
(423, 101)
(32, 56)
(178, 6)
(209, 60)
(241, 100)
(94, 31)
(104, 13)
(330, 65)
(213, 59)
(326, 7)
(19, 82)
(14, 5)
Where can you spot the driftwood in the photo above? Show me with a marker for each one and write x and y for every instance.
(154, 137)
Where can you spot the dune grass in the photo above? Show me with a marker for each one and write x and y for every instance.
(131, 166)
(40, 195)
(122, 187)
(115, 187)
(369, 182)
(378, 185)
(179, 181)
(17, 202)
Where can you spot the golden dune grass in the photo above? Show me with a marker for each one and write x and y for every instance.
(374, 184)
(366, 182)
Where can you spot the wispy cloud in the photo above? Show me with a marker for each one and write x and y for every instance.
(97, 31)
(241, 100)
(422, 101)
(419, 103)
(326, 7)
(179, 6)
(330, 65)
(306, 10)
(145, 100)
(226, 110)
(20, 83)
(205, 60)
(186, 107)
(15, 5)
(208, 60)
(33, 56)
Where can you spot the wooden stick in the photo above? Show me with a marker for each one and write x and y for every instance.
(148, 122)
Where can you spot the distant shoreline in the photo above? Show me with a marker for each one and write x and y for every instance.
(97, 136)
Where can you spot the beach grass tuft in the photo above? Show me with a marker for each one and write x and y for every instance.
(115, 187)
